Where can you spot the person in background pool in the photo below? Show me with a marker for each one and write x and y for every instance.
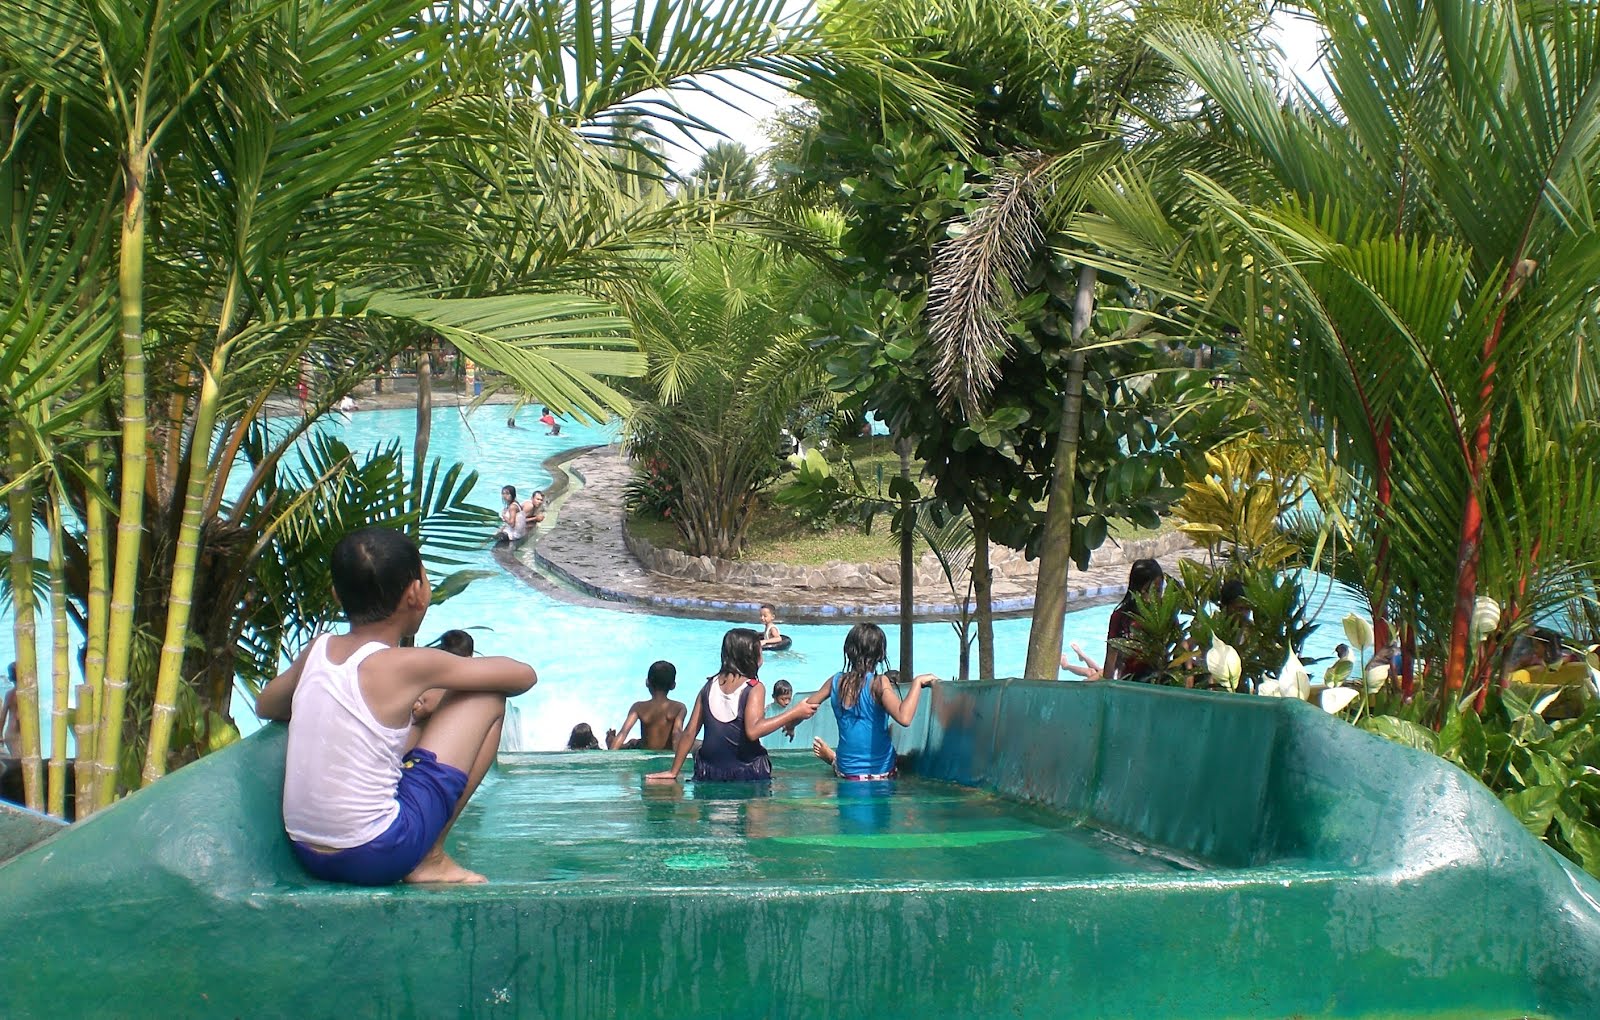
(1090, 670)
(771, 639)
(456, 642)
(782, 694)
(1145, 576)
(864, 700)
(730, 708)
(361, 804)
(10, 722)
(533, 509)
(660, 719)
(548, 420)
(582, 739)
(515, 524)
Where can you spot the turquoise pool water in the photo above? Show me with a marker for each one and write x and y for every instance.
(592, 661)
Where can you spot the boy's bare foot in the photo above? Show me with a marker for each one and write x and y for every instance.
(820, 748)
(437, 867)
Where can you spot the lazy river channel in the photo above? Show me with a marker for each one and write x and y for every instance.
(592, 660)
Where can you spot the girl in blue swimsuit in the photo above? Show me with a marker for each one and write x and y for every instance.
(731, 708)
(864, 700)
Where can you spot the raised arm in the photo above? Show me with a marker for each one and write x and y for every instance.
(904, 710)
(618, 737)
(685, 742)
(277, 698)
(756, 725)
(433, 667)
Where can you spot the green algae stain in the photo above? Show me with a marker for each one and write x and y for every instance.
(911, 840)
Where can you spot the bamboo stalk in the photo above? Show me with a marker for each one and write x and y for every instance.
(130, 505)
(180, 592)
(97, 612)
(60, 678)
(23, 623)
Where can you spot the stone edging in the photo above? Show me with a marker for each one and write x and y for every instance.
(837, 575)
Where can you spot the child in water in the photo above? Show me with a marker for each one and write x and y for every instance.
(771, 640)
(864, 700)
(782, 694)
(730, 708)
(360, 803)
(660, 719)
(456, 642)
(582, 739)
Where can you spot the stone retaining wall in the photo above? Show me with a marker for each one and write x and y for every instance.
(1005, 564)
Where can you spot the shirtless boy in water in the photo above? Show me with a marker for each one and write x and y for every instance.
(660, 718)
(360, 803)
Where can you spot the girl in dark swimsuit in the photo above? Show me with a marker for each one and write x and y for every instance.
(730, 708)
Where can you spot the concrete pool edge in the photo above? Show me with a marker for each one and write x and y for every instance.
(1445, 906)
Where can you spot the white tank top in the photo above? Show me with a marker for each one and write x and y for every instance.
(343, 765)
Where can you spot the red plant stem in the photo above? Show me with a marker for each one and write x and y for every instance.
(1470, 549)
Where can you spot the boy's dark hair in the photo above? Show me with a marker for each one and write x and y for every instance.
(741, 653)
(1340, 648)
(781, 688)
(372, 568)
(456, 642)
(769, 607)
(663, 676)
(1232, 593)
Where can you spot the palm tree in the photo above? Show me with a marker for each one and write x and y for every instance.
(727, 170)
(293, 181)
(727, 368)
(1419, 267)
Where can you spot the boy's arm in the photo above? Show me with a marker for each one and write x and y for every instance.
(679, 716)
(277, 698)
(822, 693)
(434, 667)
(617, 737)
(756, 725)
(685, 741)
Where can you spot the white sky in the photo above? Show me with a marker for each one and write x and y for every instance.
(740, 117)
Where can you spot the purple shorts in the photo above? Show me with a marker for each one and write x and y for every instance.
(428, 792)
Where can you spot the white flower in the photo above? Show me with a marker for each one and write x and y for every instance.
(1294, 671)
(1337, 699)
(1377, 676)
(1222, 662)
(1292, 682)
(1485, 616)
(1358, 630)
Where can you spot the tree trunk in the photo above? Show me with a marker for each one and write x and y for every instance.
(130, 504)
(180, 593)
(97, 613)
(23, 623)
(908, 565)
(419, 450)
(982, 588)
(1055, 552)
(60, 677)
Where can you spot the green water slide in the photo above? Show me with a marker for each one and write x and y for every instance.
(1056, 850)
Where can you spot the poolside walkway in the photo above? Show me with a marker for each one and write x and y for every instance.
(581, 554)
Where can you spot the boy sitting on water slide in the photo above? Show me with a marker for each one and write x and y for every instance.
(361, 804)
(660, 719)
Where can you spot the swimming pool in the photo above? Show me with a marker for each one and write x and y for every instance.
(592, 660)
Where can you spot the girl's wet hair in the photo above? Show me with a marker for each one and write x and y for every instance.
(741, 653)
(509, 491)
(582, 739)
(865, 650)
